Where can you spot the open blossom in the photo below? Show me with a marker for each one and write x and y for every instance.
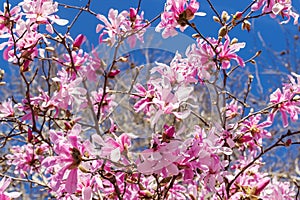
(41, 12)
(252, 132)
(116, 146)
(202, 155)
(4, 183)
(163, 98)
(233, 109)
(77, 61)
(6, 16)
(278, 190)
(6, 109)
(161, 158)
(69, 154)
(227, 52)
(224, 53)
(70, 94)
(121, 25)
(285, 105)
(287, 100)
(277, 7)
(27, 158)
(176, 15)
(108, 102)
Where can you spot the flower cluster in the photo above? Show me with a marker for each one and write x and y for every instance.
(177, 15)
(119, 26)
(20, 26)
(277, 7)
(61, 131)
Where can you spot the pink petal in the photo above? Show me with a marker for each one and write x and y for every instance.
(87, 193)
(71, 182)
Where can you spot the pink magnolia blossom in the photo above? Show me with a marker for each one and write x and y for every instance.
(27, 158)
(202, 154)
(233, 109)
(286, 105)
(94, 66)
(278, 190)
(161, 158)
(251, 183)
(176, 15)
(70, 93)
(146, 96)
(77, 62)
(26, 49)
(227, 52)
(41, 12)
(121, 25)
(116, 147)
(252, 132)
(70, 152)
(41, 104)
(5, 19)
(78, 41)
(4, 183)
(108, 102)
(163, 97)
(6, 109)
(277, 7)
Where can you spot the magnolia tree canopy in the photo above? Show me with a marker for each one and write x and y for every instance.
(154, 112)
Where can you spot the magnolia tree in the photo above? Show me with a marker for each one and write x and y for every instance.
(98, 124)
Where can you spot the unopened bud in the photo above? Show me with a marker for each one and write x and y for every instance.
(78, 41)
(123, 59)
(50, 49)
(252, 61)
(237, 15)
(288, 143)
(196, 35)
(113, 73)
(261, 185)
(225, 17)
(222, 32)
(246, 25)
(234, 41)
(258, 53)
(216, 19)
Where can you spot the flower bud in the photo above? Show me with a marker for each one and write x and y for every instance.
(261, 185)
(234, 41)
(78, 41)
(258, 53)
(216, 19)
(246, 25)
(225, 17)
(50, 49)
(238, 15)
(222, 32)
(196, 35)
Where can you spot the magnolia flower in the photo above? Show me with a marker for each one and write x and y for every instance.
(70, 152)
(285, 104)
(121, 25)
(177, 14)
(41, 12)
(4, 183)
(161, 158)
(277, 7)
(6, 109)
